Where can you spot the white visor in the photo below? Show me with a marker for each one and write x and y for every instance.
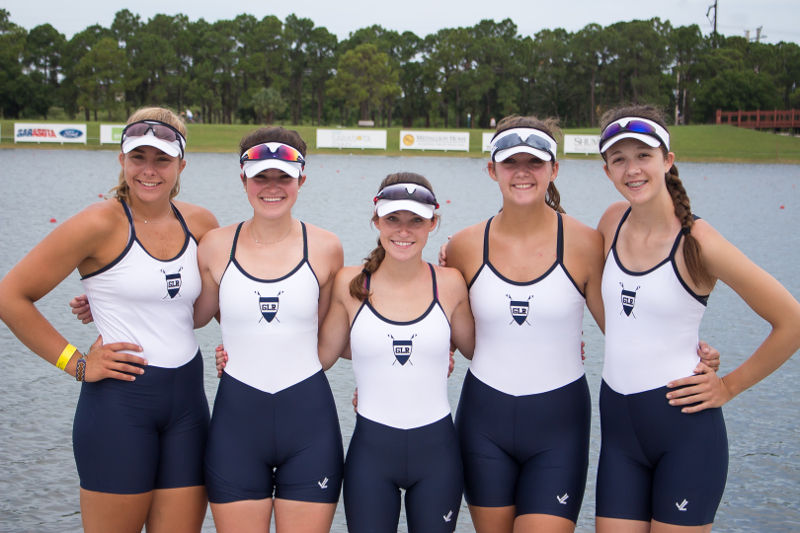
(656, 138)
(251, 168)
(537, 147)
(172, 149)
(384, 207)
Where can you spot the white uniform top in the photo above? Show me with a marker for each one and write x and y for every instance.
(146, 301)
(652, 322)
(527, 334)
(401, 367)
(269, 326)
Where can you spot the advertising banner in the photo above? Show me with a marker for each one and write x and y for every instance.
(486, 141)
(49, 133)
(351, 139)
(111, 133)
(581, 144)
(434, 140)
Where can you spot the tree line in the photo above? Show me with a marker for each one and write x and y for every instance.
(258, 71)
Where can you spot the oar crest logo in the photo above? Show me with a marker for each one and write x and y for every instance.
(402, 350)
(628, 299)
(268, 305)
(520, 310)
(173, 283)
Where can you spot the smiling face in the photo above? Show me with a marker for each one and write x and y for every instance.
(150, 173)
(404, 234)
(272, 192)
(637, 170)
(523, 178)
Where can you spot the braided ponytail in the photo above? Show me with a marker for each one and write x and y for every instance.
(683, 210)
(680, 200)
(358, 285)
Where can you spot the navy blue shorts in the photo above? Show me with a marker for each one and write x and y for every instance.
(529, 451)
(285, 445)
(658, 463)
(131, 437)
(424, 461)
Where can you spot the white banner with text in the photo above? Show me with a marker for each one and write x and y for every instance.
(351, 139)
(581, 144)
(111, 133)
(434, 140)
(49, 133)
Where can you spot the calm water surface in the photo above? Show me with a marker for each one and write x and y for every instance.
(757, 207)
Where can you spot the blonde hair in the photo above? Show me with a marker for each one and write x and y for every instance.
(358, 285)
(161, 114)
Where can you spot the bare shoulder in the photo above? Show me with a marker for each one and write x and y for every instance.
(346, 275)
(321, 239)
(610, 219)
(580, 237)
(449, 278)
(468, 238)
(218, 237)
(100, 218)
(199, 219)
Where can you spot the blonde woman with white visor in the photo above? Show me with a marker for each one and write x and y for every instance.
(141, 421)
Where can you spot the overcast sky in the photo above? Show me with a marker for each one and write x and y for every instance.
(780, 19)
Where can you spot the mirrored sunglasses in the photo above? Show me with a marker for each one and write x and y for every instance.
(644, 127)
(407, 191)
(513, 139)
(281, 151)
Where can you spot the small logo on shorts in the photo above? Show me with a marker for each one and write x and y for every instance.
(402, 350)
(563, 499)
(173, 283)
(519, 310)
(268, 305)
(323, 484)
(449, 516)
(682, 506)
(628, 299)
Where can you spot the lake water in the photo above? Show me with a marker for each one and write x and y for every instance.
(757, 207)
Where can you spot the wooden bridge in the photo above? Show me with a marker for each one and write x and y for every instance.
(761, 120)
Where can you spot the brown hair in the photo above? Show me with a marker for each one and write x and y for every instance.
(358, 285)
(272, 134)
(680, 200)
(550, 127)
(161, 114)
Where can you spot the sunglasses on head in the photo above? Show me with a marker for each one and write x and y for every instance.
(407, 191)
(273, 150)
(634, 125)
(160, 130)
(513, 139)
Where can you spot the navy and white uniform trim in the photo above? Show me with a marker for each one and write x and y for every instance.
(527, 334)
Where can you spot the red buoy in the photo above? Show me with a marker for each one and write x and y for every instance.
(52, 220)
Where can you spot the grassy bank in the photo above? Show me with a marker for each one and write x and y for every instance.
(690, 143)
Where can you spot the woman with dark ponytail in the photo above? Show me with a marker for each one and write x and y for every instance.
(664, 456)
(523, 417)
(396, 317)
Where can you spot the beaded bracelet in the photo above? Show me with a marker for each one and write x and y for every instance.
(80, 369)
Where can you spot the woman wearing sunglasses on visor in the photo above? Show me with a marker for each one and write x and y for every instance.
(399, 315)
(664, 454)
(523, 417)
(274, 440)
(141, 422)
(524, 413)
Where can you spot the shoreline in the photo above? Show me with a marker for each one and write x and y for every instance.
(701, 143)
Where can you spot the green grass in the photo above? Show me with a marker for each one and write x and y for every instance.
(691, 143)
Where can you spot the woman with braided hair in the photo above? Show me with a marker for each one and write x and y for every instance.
(664, 455)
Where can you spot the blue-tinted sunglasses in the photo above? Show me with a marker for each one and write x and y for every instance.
(633, 125)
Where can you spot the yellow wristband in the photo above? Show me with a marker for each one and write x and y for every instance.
(65, 356)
